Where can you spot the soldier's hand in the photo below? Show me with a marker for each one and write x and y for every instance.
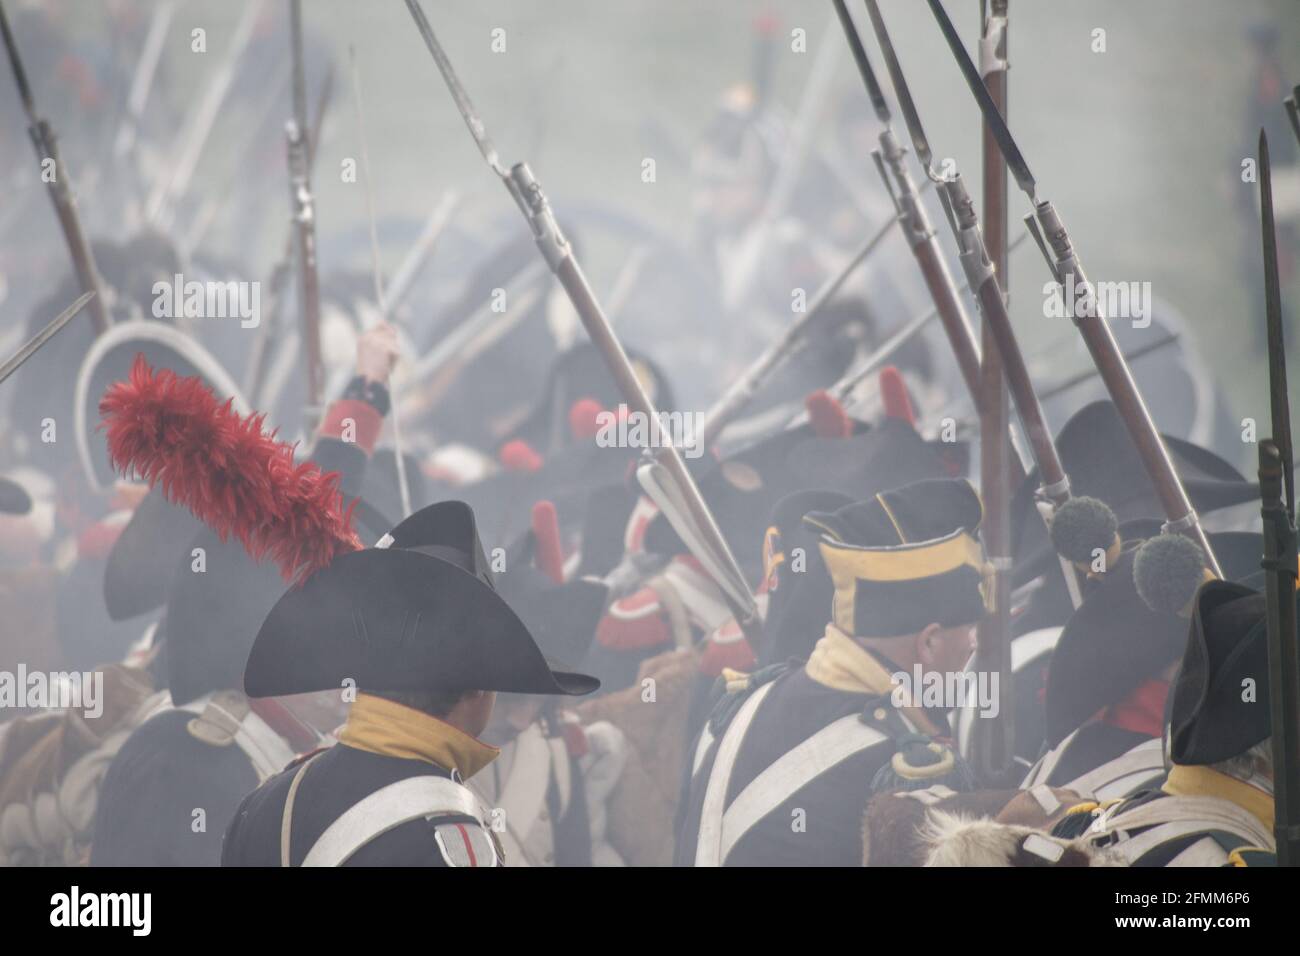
(377, 352)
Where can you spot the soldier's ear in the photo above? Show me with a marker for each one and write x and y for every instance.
(926, 643)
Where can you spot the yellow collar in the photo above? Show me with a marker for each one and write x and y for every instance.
(1189, 781)
(383, 727)
(841, 663)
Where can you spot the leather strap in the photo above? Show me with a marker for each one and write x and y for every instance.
(286, 817)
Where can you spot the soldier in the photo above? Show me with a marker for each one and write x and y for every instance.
(415, 625)
(907, 573)
(549, 786)
(1216, 807)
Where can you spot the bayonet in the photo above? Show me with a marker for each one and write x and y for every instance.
(13, 363)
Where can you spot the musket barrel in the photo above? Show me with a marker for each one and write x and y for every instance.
(934, 271)
(555, 249)
(1118, 379)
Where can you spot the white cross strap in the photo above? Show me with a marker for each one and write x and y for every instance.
(792, 771)
(389, 807)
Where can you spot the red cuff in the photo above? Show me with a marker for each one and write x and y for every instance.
(365, 417)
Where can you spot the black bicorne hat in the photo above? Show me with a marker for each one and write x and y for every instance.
(1221, 700)
(419, 611)
(905, 559)
(561, 617)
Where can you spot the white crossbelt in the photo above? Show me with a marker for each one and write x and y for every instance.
(389, 807)
(708, 847)
(792, 771)
(1144, 763)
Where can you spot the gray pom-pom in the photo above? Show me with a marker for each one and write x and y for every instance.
(1081, 526)
(1167, 570)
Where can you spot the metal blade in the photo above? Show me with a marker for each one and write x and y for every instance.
(43, 336)
(997, 125)
(864, 65)
(1277, 388)
(467, 111)
(919, 142)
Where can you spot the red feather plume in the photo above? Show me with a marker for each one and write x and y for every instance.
(173, 432)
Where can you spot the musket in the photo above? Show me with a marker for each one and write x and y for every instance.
(693, 522)
(13, 363)
(169, 188)
(993, 741)
(403, 486)
(916, 224)
(1292, 104)
(1049, 232)
(982, 276)
(303, 208)
(259, 360)
(65, 207)
(1277, 492)
(739, 393)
